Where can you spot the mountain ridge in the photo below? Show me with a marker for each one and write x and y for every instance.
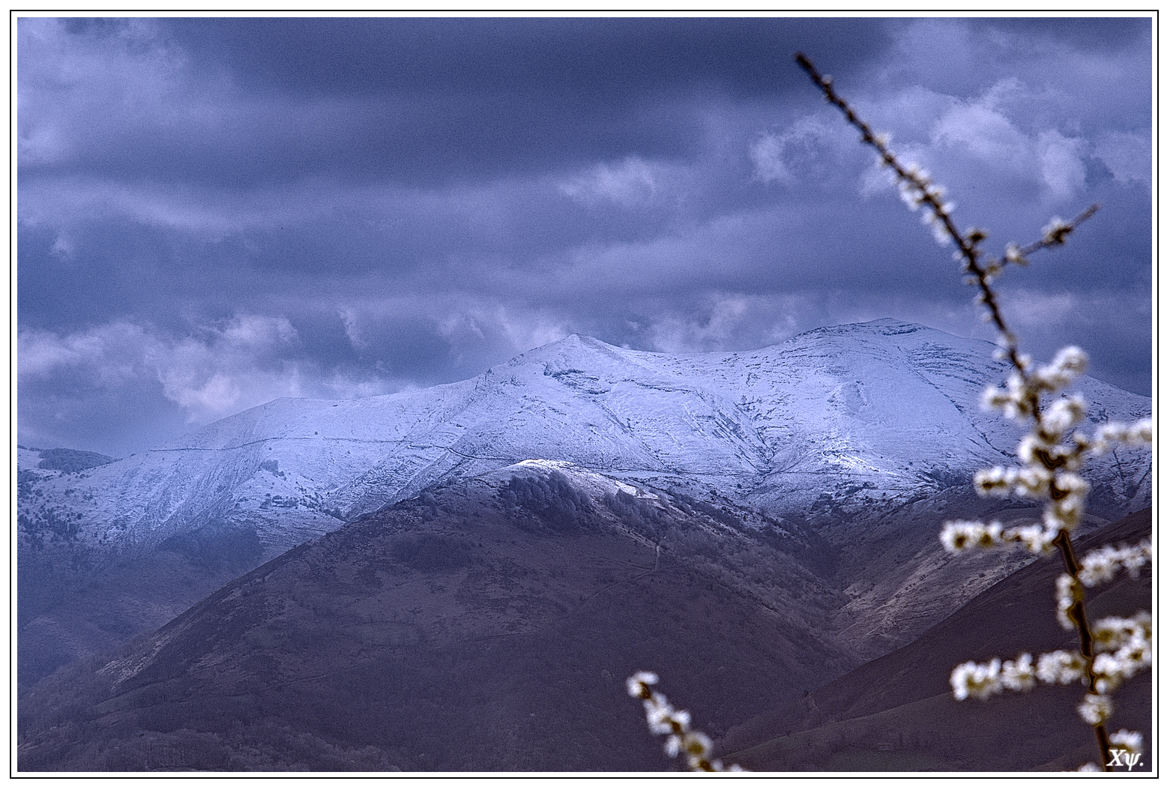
(832, 428)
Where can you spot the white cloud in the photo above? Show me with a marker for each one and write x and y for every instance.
(997, 146)
(701, 332)
(1127, 155)
(350, 319)
(257, 332)
(1031, 310)
(476, 323)
(628, 183)
(984, 133)
(133, 69)
(985, 143)
(67, 202)
(725, 321)
(783, 156)
(215, 395)
(1061, 164)
(214, 371)
(108, 355)
(767, 155)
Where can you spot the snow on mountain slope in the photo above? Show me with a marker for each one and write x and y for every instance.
(857, 414)
(848, 444)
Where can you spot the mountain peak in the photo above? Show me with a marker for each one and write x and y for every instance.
(891, 326)
(570, 348)
(578, 340)
(878, 326)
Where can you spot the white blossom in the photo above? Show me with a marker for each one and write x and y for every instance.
(1056, 231)
(976, 680)
(1028, 450)
(1095, 709)
(1062, 415)
(1096, 568)
(697, 748)
(659, 715)
(1060, 667)
(1019, 675)
(1013, 254)
(1101, 565)
(1138, 433)
(1129, 641)
(918, 173)
(1068, 363)
(1030, 481)
(911, 195)
(1035, 538)
(1011, 399)
(938, 228)
(1065, 513)
(1125, 739)
(1109, 672)
(1072, 484)
(973, 680)
(672, 745)
(1110, 633)
(1067, 594)
(957, 536)
(636, 682)
(940, 232)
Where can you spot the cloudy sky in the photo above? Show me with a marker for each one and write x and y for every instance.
(216, 212)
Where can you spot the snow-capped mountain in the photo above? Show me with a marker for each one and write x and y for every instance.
(861, 413)
(833, 429)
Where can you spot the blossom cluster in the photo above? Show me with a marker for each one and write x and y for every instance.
(919, 192)
(663, 719)
(1019, 397)
(1111, 433)
(1095, 709)
(974, 680)
(1099, 566)
(958, 536)
(1125, 649)
(1056, 231)
(1127, 740)
(1049, 455)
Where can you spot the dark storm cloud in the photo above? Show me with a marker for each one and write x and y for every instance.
(596, 60)
(215, 212)
(423, 100)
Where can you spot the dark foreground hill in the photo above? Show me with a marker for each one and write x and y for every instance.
(487, 626)
(896, 713)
